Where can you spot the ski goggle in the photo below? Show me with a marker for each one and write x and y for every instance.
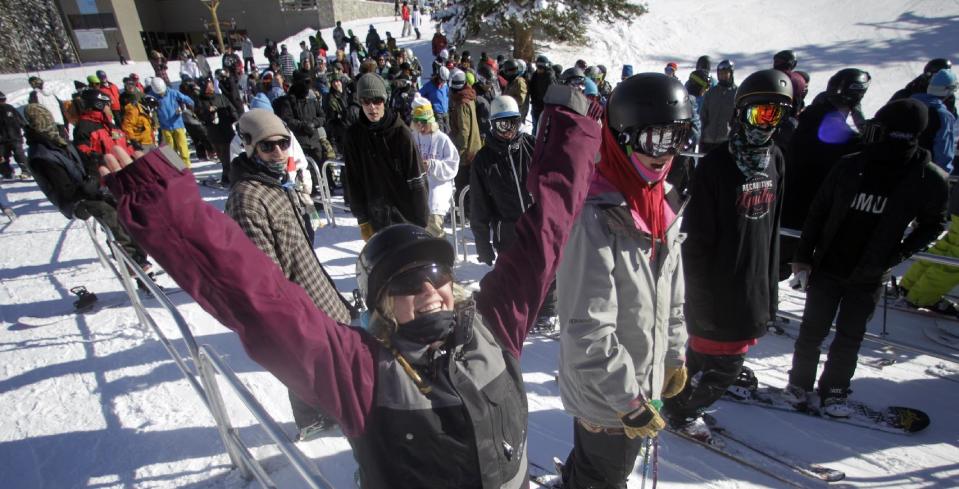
(269, 146)
(372, 101)
(410, 282)
(764, 115)
(503, 126)
(576, 82)
(659, 140)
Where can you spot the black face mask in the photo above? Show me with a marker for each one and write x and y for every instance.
(428, 328)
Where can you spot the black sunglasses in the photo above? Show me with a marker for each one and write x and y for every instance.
(411, 281)
(269, 146)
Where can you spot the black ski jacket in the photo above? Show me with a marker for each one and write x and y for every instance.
(385, 173)
(809, 160)
(921, 197)
(219, 121)
(62, 174)
(303, 116)
(498, 195)
(538, 84)
(11, 124)
(731, 252)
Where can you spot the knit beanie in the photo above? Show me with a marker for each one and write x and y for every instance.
(91, 79)
(942, 84)
(261, 101)
(903, 119)
(257, 125)
(422, 110)
(371, 86)
(41, 120)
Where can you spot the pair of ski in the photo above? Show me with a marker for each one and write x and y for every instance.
(770, 462)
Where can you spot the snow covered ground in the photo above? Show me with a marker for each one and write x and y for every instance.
(95, 401)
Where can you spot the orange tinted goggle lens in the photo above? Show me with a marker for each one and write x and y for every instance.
(765, 115)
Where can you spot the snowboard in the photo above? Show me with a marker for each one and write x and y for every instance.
(902, 306)
(70, 312)
(890, 419)
(211, 182)
(942, 334)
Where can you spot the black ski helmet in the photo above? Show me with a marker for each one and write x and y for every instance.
(394, 249)
(726, 65)
(509, 69)
(704, 63)
(93, 99)
(647, 99)
(936, 64)
(765, 86)
(848, 86)
(784, 60)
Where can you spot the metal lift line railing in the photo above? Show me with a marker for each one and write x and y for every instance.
(204, 382)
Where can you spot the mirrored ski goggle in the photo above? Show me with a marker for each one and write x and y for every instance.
(269, 146)
(410, 282)
(576, 81)
(765, 115)
(504, 126)
(660, 140)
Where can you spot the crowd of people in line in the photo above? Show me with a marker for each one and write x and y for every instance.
(659, 269)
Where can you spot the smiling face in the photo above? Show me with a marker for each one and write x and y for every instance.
(428, 300)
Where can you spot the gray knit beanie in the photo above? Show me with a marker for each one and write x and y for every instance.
(371, 86)
(259, 124)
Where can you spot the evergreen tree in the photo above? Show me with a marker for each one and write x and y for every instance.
(32, 36)
(556, 20)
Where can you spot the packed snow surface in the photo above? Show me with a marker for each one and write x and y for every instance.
(95, 401)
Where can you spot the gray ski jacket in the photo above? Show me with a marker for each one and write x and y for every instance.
(717, 112)
(621, 314)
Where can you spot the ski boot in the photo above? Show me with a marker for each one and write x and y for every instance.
(745, 385)
(85, 299)
(795, 395)
(835, 402)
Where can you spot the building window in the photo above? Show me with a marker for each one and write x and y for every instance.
(297, 5)
(93, 21)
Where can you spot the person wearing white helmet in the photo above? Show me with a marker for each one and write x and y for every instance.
(172, 127)
(437, 91)
(464, 128)
(498, 194)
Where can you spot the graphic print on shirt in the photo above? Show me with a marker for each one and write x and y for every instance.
(872, 204)
(756, 197)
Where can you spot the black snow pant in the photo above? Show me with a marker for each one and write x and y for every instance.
(303, 414)
(223, 153)
(106, 213)
(855, 303)
(709, 377)
(537, 110)
(601, 460)
(15, 148)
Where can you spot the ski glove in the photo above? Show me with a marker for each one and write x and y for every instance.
(643, 422)
(674, 381)
(366, 231)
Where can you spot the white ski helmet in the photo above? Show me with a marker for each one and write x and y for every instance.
(457, 79)
(522, 67)
(158, 86)
(503, 107)
(444, 73)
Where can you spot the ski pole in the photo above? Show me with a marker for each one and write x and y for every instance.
(655, 462)
(885, 303)
(646, 445)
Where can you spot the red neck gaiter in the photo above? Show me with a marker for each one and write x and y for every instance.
(644, 198)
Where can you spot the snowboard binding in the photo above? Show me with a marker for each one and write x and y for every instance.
(85, 299)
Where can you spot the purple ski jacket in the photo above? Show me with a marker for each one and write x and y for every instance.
(327, 364)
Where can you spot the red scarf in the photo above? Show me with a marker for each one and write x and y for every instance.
(645, 199)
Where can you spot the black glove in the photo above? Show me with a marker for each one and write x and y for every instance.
(80, 210)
